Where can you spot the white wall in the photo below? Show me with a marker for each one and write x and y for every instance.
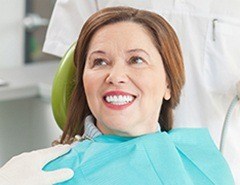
(11, 33)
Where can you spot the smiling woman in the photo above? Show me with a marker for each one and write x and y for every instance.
(130, 83)
(129, 76)
(126, 50)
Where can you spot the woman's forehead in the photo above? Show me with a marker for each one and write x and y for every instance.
(126, 35)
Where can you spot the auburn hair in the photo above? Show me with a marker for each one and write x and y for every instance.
(164, 39)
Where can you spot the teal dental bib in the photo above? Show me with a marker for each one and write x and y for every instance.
(181, 156)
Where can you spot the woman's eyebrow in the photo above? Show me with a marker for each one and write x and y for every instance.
(137, 50)
(129, 51)
(98, 51)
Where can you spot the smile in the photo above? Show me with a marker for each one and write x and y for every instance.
(118, 100)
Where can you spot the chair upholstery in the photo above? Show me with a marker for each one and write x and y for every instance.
(63, 84)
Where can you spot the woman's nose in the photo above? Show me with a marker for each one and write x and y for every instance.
(117, 75)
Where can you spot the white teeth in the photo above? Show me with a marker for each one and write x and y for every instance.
(119, 100)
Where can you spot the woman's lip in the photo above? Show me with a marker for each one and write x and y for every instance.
(117, 107)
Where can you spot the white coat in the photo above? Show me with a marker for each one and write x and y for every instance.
(209, 33)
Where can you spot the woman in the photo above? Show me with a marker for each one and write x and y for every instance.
(129, 78)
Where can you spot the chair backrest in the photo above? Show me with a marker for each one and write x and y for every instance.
(63, 84)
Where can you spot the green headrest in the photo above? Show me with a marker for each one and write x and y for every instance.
(63, 84)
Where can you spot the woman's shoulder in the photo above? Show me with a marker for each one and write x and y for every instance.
(199, 153)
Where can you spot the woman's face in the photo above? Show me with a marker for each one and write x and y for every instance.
(124, 80)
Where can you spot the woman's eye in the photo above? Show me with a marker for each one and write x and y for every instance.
(99, 62)
(136, 60)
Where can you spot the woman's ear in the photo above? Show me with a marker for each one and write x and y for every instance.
(167, 94)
